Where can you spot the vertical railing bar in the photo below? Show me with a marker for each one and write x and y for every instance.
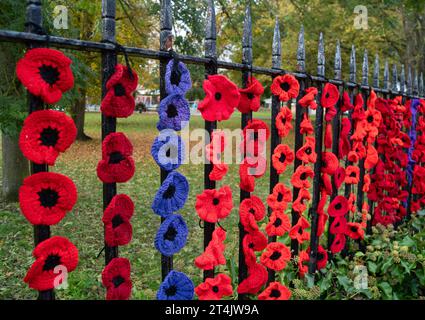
(403, 80)
(421, 84)
(395, 80)
(415, 90)
(409, 82)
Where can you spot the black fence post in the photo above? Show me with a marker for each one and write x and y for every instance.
(421, 85)
(210, 126)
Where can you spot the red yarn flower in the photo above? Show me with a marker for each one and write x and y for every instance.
(218, 172)
(215, 288)
(306, 127)
(251, 210)
(330, 96)
(255, 135)
(309, 99)
(275, 291)
(255, 241)
(276, 256)
(216, 147)
(339, 243)
(338, 225)
(354, 230)
(116, 218)
(352, 175)
(119, 101)
(300, 176)
(346, 102)
(285, 87)
(306, 153)
(303, 261)
(283, 122)
(45, 134)
(278, 225)
(330, 163)
(53, 252)
(117, 164)
(222, 97)
(280, 197)
(338, 207)
(339, 177)
(116, 279)
(213, 205)
(257, 277)
(251, 96)
(213, 254)
(45, 73)
(247, 181)
(322, 257)
(282, 157)
(299, 204)
(298, 231)
(46, 197)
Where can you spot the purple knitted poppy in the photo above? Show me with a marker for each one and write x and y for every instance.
(174, 113)
(413, 135)
(177, 79)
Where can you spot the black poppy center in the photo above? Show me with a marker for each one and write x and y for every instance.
(327, 96)
(48, 197)
(251, 245)
(308, 151)
(282, 157)
(49, 74)
(338, 206)
(276, 255)
(324, 164)
(250, 96)
(215, 289)
(303, 176)
(49, 137)
(216, 201)
(117, 221)
(370, 119)
(171, 291)
(117, 281)
(275, 293)
(217, 96)
(285, 86)
(119, 90)
(169, 193)
(172, 111)
(251, 210)
(171, 234)
(352, 175)
(175, 78)
(115, 157)
(320, 256)
(279, 197)
(51, 262)
(353, 229)
(300, 231)
(277, 222)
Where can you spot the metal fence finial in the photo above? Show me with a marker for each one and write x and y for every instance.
(395, 78)
(166, 23)
(321, 59)
(247, 36)
(353, 65)
(301, 51)
(277, 47)
(387, 75)
(338, 61)
(421, 84)
(416, 83)
(409, 80)
(365, 69)
(211, 32)
(376, 72)
(403, 80)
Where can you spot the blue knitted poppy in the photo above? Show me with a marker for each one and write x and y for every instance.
(171, 236)
(177, 78)
(172, 195)
(168, 150)
(174, 113)
(176, 286)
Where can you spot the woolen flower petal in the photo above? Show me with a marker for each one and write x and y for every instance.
(168, 150)
(177, 78)
(172, 235)
(174, 113)
(116, 279)
(176, 286)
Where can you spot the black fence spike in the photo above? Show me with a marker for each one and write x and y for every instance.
(321, 59)
(211, 32)
(247, 37)
(338, 62)
(277, 46)
(376, 72)
(301, 51)
(166, 23)
(403, 80)
(353, 65)
(365, 69)
(416, 83)
(409, 80)
(395, 83)
(387, 84)
(421, 84)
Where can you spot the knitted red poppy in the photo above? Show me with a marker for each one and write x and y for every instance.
(216, 147)
(339, 243)
(303, 261)
(257, 278)
(358, 113)
(255, 241)
(275, 256)
(366, 183)
(344, 141)
(45, 134)
(278, 225)
(275, 291)
(298, 231)
(299, 204)
(338, 207)
(373, 119)
(352, 202)
(119, 101)
(322, 257)
(45, 73)
(328, 136)
(255, 135)
(330, 95)
(371, 158)
(215, 288)
(213, 205)
(49, 254)
(116, 219)
(300, 177)
(346, 102)
(251, 96)
(222, 97)
(338, 225)
(339, 177)
(213, 254)
(46, 197)
(352, 175)
(321, 224)
(309, 99)
(247, 181)
(306, 153)
(251, 210)
(285, 87)
(282, 157)
(218, 172)
(283, 122)
(326, 184)
(116, 279)
(354, 230)
(117, 164)
(306, 127)
(280, 197)
(330, 163)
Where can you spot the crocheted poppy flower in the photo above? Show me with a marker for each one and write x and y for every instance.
(346, 102)
(309, 99)
(45, 134)
(330, 96)
(285, 87)
(176, 286)
(218, 172)
(49, 254)
(257, 278)
(251, 96)
(168, 150)
(326, 184)
(338, 225)
(254, 241)
(213, 254)
(255, 135)
(251, 210)
(45, 73)
(280, 197)
(321, 223)
(328, 136)
(299, 204)
(303, 261)
(46, 197)
(344, 141)
(338, 207)
(330, 163)
(119, 101)
(339, 177)
(371, 157)
(322, 257)
(171, 236)
(222, 97)
(306, 127)
(247, 181)
(216, 147)
(339, 243)
(282, 157)
(276, 256)
(283, 122)
(116, 279)
(373, 119)
(213, 205)
(172, 195)
(117, 164)
(278, 225)
(174, 113)
(352, 202)
(215, 288)
(354, 230)
(298, 231)
(177, 78)
(116, 219)
(300, 176)
(306, 153)
(352, 175)
(275, 291)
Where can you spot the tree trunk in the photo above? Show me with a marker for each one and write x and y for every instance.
(78, 115)
(15, 168)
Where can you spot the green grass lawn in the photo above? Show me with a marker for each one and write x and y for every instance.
(83, 226)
